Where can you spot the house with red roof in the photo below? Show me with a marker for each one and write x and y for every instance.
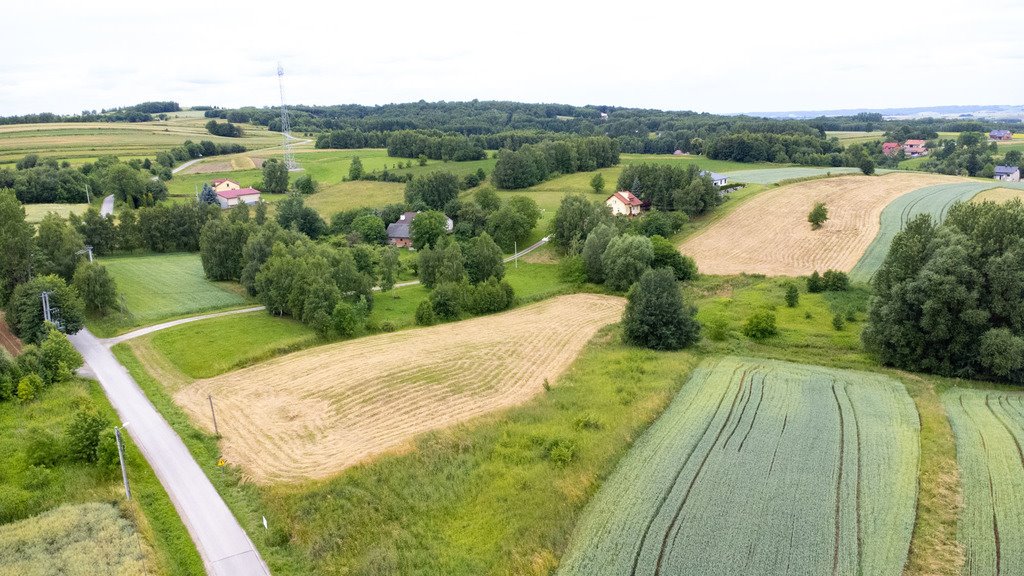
(624, 203)
(229, 198)
(222, 184)
(915, 148)
(890, 148)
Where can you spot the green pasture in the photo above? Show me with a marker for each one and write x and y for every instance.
(806, 469)
(847, 138)
(34, 212)
(776, 175)
(74, 494)
(158, 287)
(989, 428)
(934, 200)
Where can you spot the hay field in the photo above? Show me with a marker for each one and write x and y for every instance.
(999, 195)
(313, 413)
(770, 234)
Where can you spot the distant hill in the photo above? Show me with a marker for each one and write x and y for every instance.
(993, 111)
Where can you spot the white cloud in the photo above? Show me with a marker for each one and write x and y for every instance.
(721, 56)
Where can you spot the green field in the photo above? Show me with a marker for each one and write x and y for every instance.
(34, 212)
(74, 496)
(86, 141)
(161, 286)
(851, 137)
(989, 428)
(934, 200)
(776, 175)
(761, 467)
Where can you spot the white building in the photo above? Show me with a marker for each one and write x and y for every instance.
(624, 203)
(229, 198)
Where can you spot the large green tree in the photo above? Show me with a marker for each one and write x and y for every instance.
(128, 185)
(483, 259)
(593, 251)
(510, 225)
(656, 315)
(625, 260)
(433, 191)
(427, 228)
(24, 311)
(221, 245)
(58, 247)
(96, 287)
(16, 244)
(275, 176)
(575, 218)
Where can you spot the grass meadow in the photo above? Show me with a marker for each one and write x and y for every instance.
(34, 212)
(149, 522)
(156, 287)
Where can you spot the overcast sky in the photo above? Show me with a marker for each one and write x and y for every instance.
(716, 56)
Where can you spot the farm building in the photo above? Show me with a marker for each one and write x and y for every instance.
(915, 148)
(624, 203)
(677, 153)
(232, 197)
(1000, 135)
(1007, 173)
(400, 234)
(716, 178)
(890, 148)
(223, 184)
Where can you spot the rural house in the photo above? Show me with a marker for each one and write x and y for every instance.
(915, 148)
(232, 197)
(222, 184)
(1000, 135)
(1007, 173)
(624, 203)
(890, 148)
(716, 178)
(400, 233)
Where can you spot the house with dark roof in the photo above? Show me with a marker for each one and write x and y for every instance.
(624, 203)
(400, 231)
(716, 178)
(222, 184)
(1001, 135)
(232, 197)
(1007, 173)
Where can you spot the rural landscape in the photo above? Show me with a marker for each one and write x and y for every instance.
(246, 336)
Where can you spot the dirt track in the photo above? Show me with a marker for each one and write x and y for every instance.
(313, 413)
(8, 340)
(769, 234)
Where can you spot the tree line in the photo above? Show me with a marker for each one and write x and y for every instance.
(534, 163)
(48, 181)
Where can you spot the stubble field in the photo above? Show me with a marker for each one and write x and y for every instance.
(770, 234)
(313, 413)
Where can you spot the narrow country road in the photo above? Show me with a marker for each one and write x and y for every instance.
(155, 327)
(107, 208)
(222, 543)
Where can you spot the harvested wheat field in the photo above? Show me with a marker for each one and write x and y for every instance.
(313, 413)
(999, 195)
(769, 234)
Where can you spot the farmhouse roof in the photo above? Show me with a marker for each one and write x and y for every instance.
(715, 176)
(1006, 170)
(914, 142)
(890, 145)
(626, 197)
(228, 194)
(1000, 133)
(223, 180)
(400, 228)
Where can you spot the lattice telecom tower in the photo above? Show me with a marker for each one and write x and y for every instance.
(286, 129)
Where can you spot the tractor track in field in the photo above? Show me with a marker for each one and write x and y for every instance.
(839, 484)
(991, 485)
(754, 418)
(675, 478)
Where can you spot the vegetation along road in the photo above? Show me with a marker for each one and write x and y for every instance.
(223, 545)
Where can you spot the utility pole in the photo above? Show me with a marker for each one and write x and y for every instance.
(46, 307)
(214, 414)
(87, 199)
(515, 252)
(289, 157)
(120, 455)
(87, 249)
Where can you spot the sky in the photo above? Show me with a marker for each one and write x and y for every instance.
(717, 56)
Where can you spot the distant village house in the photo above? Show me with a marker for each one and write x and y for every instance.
(400, 232)
(915, 148)
(234, 196)
(223, 184)
(1001, 135)
(716, 178)
(1007, 173)
(891, 148)
(624, 203)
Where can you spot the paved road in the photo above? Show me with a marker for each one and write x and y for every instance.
(224, 547)
(108, 206)
(155, 327)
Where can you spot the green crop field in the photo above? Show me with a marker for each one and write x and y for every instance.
(851, 137)
(761, 467)
(161, 286)
(34, 212)
(775, 175)
(989, 429)
(934, 200)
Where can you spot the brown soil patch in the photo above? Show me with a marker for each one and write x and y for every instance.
(8, 341)
(769, 234)
(313, 413)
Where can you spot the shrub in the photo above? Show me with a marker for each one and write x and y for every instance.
(792, 295)
(835, 281)
(815, 283)
(837, 321)
(760, 325)
(718, 329)
(448, 299)
(96, 287)
(345, 319)
(43, 448)
(388, 326)
(28, 387)
(107, 458)
(818, 215)
(425, 314)
(561, 452)
(82, 435)
(58, 357)
(489, 296)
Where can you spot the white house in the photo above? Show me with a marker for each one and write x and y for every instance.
(223, 184)
(229, 198)
(624, 203)
(1007, 173)
(716, 178)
